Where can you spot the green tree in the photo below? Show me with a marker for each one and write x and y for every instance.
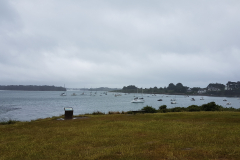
(171, 86)
(129, 89)
(180, 88)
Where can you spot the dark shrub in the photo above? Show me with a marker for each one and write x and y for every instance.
(98, 113)
(178, 109)
(193, 108)
(163, 108)
(230, 109)
(112, 112)
(211, 107)
(8, 122)
(129, 112)
(149, 109)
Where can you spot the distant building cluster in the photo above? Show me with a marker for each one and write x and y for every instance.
(233, 85)
(218, 89)
(214, 87)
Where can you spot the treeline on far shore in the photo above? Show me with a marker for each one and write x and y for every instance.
(179, 89)
(32, 88)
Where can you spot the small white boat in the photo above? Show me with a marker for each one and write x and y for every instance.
(201, 98)
(63, 94)
(74, 94)
(138, 100)
(174, 99)
(117, 95)
(173, 102)
(228, 103)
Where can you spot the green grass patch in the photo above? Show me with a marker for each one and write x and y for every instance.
(173, 135)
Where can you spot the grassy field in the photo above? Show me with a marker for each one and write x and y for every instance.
(170, 136)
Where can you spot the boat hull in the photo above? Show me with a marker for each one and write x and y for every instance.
(137, 101)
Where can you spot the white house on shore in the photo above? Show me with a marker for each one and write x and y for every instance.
(232, 85)
(202, 91)
(215, 87)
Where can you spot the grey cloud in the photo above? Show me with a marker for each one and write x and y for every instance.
(119, 42)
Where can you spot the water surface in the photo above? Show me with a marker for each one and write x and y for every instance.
(31, 105)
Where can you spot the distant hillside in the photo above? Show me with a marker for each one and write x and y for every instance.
(32, 88)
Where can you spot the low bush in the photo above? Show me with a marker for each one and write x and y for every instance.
(149, 109)
(231, 109)
(163, 109)
(8, 122)
(129, 112)
(177, 109)
(211, 107)
(193, 108)
(111, 112)
(98, 113)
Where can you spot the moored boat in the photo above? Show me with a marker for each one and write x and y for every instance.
(63, 94)
(138, 100)
(74, 94)
(173, 102)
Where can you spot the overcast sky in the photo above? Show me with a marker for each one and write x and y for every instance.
(106, 43)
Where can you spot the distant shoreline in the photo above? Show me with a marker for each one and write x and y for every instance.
(31, 88)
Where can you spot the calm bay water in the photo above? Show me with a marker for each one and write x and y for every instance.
(31, 105)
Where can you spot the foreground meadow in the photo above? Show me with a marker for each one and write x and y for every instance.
(173, 136)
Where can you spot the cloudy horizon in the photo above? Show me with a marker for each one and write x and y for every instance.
(103, 43)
